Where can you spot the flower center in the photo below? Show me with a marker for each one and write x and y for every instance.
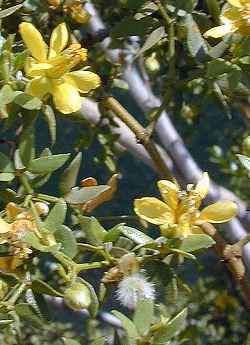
(67, 60)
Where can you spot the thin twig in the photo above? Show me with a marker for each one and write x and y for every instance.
(140, 132)
(231, 255)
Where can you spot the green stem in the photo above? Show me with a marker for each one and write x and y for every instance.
(163, 12)
(171, 51)
(25, 182)
(214, 10)
(151, 127)
(46, 197)
(17, 294)
(91, 265)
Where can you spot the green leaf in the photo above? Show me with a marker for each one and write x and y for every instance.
(51, 120)
(5, 323)
(153, 38)
(65, 237)
(10, 10)
(28, 313)
(128, 326)
(196, 44)
(184, 254)
(69, 176)
(196, 242)
(94, 306)
(28, 102)
(6, 165)
(168, 331)
(143, 315)
(99, 341)
(82, 195)
(19, 60)
(27, 144)
(248, 340)
(95, 233)
(135, 235)
(56, 217)
(7, 95)
(218, 50)
(113, 233)
(48, 164)
(218, 67)
(245, 161)
(41, 287)
(34, 242)
(134, 4)
(132, 27)
(6, 177)
(68, 341)
(8, 195)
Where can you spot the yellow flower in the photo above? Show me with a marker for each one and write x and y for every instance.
(234, 19)
(54, 3)
(76, 10)
(50, 68)
(178, 214)
(19, 222)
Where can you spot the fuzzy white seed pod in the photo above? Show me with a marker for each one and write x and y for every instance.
(133, 287)
(42, 208)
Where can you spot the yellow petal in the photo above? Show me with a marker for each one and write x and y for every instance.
(202, 186)
(244, 30)
(4, 226)
(219, 212)
(236, 3)
(5, 263)
(34, 41)
(34, 69)
(169, 192)
(58, 40)
(154, 211)
(66, 98)
(12, 211)
(219, 31)
(231, 15)
(39, 87)
(244, 3)
(84, 81)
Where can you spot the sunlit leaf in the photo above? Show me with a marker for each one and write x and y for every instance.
(65, 237)
(48, 164)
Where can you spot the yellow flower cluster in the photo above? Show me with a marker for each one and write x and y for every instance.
(234, 19)
(74, 8)
(19, 222)
(178, 214)
(49, 68)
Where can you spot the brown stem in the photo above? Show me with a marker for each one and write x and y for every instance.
(140, 132)
(231, 255)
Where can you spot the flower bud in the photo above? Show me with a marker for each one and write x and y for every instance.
(54, 3)
(152, 64)
(42, 208)
(80, 15)
(77, 296)
(188, 112)
(246, 146)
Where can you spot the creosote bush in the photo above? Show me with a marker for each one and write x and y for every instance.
(71, 275)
